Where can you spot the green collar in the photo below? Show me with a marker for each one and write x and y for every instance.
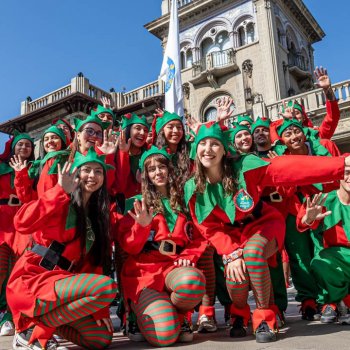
(340, 213)
(214, 194)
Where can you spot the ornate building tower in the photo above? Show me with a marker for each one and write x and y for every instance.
(255, 51)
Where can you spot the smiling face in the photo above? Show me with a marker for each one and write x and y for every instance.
(294, 138)
(243, 141)
(173, 132)
(210, 152)
(23, 148)
(52, 142)
(66, 130)
(88, 135)
(157, 173)
(91, 177)
(138, 134)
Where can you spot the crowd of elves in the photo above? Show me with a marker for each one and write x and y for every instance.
(214, 212)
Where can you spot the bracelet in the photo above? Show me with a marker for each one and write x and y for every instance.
(232, 257)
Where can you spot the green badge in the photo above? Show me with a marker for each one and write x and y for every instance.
(243, 201)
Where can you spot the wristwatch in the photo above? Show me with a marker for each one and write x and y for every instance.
(232, 256)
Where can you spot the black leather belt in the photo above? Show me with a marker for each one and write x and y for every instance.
(165, 247)
(51, 256)
(255, 214)
(12, 201)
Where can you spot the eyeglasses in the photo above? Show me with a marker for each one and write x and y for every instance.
(93, 132)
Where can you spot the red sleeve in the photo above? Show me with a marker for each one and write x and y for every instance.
(331, 147)
(301, 170)
(122, 171)
(34, 215)
(24, 186)
(132, 237)
(302, 227)
(330, 121)
(212, 230)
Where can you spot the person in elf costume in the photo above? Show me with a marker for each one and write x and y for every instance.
(241, 138)
(21, 145)
(244, 120)
(296, 110)
(105, 114)
(60, 279)
(159, 278)
(42, 171)
(168, 131)
(131, 146)
(67, 129)
(224, 202)
(301, 248)
(331, 265)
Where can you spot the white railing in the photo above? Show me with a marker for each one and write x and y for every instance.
(183, 2)
(312, 100)
(97, 93)
(144, 92)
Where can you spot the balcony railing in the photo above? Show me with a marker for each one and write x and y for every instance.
(181, 3)
(313, 100)
(297, 60)
(213, 60)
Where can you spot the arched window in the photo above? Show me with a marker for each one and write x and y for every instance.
(241, 36)
(209, 109)
(210, 114)
(245, 32)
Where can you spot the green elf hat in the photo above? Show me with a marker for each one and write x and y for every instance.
(164, 119)
(234, 130)
(294, 104)
(129, 119)
(90, 157)
(288, 123)
(264, 122)
(153, 150)
(20, 136)
(212, 130)
(100, 109)
(244, 118)
(55, 130)
(78, 123)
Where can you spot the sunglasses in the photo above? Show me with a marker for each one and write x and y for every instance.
(92, 132)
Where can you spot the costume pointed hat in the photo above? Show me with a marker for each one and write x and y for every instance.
(130, 119)
(90, 157)
(152, 151)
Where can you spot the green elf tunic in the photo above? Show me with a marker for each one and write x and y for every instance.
(331, 265)
(147, 268)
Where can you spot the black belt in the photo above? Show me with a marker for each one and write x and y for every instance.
(255, 214)
(273, 197)
(165, 247)
(51, 256)
(12, 201)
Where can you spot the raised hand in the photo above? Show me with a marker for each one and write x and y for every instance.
(142, 216)
(122, 144)
(272, 154)
(287, 112)
(159, 112)
(322, 78)
(314, 209)
(106, 102)
(110, 142)
(17, 164)
(224, 108)
(193, 123)
(66, 178)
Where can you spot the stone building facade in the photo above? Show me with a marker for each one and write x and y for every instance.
(259, 52)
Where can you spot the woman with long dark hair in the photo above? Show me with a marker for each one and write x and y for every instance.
(224, 201)
(159, 278)
(60, 279)
(21, 145)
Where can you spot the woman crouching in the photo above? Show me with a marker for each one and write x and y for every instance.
(159, 278)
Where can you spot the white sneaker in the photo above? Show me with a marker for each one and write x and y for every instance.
(7, 328)
(207, 325)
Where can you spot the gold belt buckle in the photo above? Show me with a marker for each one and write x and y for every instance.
(279, 199)
(162, 246)
(11, 198)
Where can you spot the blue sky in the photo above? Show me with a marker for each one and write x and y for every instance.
(45, 43)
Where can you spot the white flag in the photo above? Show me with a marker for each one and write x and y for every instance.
(171, 68)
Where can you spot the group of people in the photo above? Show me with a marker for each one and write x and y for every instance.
(210, 210)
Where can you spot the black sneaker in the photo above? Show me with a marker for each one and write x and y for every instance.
(186, 332)
(329, 314)
(264, 334)
(238, 330)
(21, 342)
(308, 309)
